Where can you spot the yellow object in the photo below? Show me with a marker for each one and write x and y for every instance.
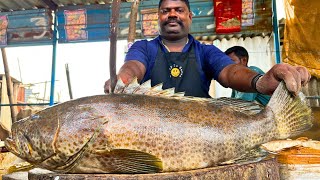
(299, 151)
(299, 155)
(10, 163)
(298, 159)
(301, 45)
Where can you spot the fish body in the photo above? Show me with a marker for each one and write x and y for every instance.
(134, 133)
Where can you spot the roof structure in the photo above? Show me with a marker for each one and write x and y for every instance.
(18, 5)
(203, 27)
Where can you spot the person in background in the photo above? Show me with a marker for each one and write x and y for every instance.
(241, 56)
(177, 60)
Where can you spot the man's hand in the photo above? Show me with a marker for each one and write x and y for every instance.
(127, 73)
(107, 86)
(126, 79)
(294, 77)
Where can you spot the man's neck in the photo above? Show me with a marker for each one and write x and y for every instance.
(175, 46)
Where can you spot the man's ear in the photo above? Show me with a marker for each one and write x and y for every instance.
(244, 61)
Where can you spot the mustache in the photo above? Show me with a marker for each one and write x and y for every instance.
(173, 21)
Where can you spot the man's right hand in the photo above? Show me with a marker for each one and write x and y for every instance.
(127, 73)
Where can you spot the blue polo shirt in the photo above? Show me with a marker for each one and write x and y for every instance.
(210, 59)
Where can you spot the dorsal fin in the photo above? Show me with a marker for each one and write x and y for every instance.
(142, 88)
(154, 90)
(119, 87)
(131, 87)
(239, 105)
(135, 88)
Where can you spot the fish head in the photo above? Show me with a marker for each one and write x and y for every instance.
(56, 135)
(25, 140)
(19, 145)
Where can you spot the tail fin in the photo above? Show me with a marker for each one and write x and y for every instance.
(292, 114)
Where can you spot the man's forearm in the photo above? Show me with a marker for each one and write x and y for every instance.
(237, 77)
(240, 77)
(130, 70)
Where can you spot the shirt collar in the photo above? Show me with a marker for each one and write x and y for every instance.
(186, 47)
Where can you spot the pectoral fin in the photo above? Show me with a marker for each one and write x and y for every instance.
(132, 161)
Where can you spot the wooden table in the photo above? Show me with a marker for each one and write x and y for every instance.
(265, 169)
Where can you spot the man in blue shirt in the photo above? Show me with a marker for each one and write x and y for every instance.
(241, 56)
(177, 60)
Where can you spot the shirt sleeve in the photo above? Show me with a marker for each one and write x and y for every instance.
(246, 96)
(214, 60)
(256, 69)
(145, 52)
(138, 51)
(233, 95)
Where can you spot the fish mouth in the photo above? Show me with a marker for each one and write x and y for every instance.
(11, 146)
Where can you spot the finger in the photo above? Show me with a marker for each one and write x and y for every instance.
(291, 78)
(107, 87)
(298, 79)
(305, 75)
(106, 90)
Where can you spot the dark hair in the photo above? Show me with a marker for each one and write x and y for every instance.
(185, 1)
(239, 51)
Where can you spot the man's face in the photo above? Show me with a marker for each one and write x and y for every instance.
(237, 60)
(174, 19)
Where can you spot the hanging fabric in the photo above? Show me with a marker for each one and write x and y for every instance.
(301, 45)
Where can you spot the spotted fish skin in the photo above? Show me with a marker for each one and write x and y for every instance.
(133, 133)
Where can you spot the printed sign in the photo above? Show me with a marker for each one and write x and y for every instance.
(247, 17)
(3, 30)
(150, 22)
(76, 21)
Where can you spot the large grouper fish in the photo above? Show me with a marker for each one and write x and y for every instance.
(147, 130)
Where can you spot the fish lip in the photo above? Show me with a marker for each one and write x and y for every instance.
(11, 146)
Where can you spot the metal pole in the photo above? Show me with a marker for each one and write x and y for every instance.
(27, 104)
(53, 67)
(69, 82)
(133, 21)
(45, 91)
(9, 84)
(113, 42)
(276, 32)
(19, 70)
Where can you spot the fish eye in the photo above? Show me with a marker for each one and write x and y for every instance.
(34, 116)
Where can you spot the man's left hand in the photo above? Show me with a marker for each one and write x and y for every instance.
(295, 77)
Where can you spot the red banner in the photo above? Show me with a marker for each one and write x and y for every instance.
(228, 15)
